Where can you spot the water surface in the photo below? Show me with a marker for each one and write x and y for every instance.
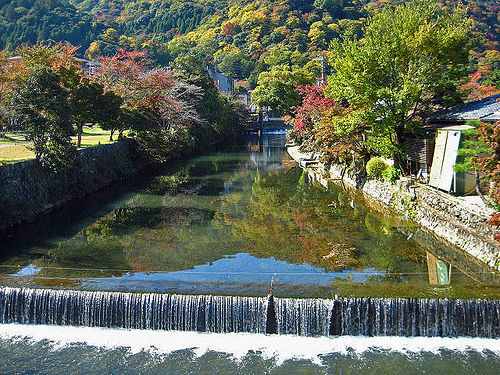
(50, 350)
(236, 223)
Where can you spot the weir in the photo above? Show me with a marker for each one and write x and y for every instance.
(207, 313)
(204, 313)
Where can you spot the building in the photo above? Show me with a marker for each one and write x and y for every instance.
(89, 67)
(448, 126)
(486, 110)
(225, 85)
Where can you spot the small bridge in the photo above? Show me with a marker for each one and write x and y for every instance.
(272, 124)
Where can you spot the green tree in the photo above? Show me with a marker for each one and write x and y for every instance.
(87, 100)
(43, 107)
(278, 88)
(234, 63)
(334, 7)
(411, 58)
(113, 117)
(471, 149)
(494, 79)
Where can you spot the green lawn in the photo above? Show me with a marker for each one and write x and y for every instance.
(93, 136)
(4, 141)
(12, 138)
(11, 151)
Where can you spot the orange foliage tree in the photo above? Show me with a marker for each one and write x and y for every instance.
(475, 90)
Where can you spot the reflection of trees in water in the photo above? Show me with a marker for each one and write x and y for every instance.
(79, 258)
(181, 221)
(161, 228)
(300, 223)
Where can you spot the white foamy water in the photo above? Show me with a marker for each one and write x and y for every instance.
(280, 347)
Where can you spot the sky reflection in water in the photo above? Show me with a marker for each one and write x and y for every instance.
(245, 268)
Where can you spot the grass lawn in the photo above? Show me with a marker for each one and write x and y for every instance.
(11, 151)
(4, 141)
(94, 136)
(94, 140)
(12, 138)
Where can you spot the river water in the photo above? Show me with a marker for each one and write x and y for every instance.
(236, 223)
(70, 350)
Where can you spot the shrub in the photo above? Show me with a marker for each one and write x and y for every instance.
(390, 174)
(375, 166)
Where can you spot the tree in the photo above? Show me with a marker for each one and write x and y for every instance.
(221, 117)
(310, 113)
(410, 59)
(487, 159)
(122, 72)
(494, 79)
(14, 73)
(278, 88)
(93, 51)
(158, 105)
(334, 7)
(181, 109)
(112, 117)
(234, 63)
(43, 107)
(53, 57)
(324, 125)
(86, 98)
(7, 87)
(481, 153)
(471, 148)
(475, 89)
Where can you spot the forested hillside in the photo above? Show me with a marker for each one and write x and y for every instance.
(242, 38)
(35, 21)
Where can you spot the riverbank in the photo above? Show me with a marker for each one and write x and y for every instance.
(461, 221)
(28, 190)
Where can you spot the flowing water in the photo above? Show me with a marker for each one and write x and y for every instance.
(217, 233)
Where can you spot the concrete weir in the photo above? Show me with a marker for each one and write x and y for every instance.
(450, 218)
(220, 314)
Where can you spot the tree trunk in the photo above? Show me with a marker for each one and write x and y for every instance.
(399, 156)
(478, 188)
(112, 131)
(79, 131)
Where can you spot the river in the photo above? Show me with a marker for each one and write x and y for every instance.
(235, 223)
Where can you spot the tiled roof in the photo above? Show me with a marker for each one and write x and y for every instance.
(487, 109)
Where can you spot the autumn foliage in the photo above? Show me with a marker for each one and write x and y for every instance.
(475, 88)
(314, 107)
(489, 164)
(45, 92)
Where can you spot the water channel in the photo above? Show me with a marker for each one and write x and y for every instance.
(238, 224)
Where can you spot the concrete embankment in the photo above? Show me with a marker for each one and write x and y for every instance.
(461, 221)
(28, 190)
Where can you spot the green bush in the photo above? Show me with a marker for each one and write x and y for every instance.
(390, 174)
(375, 166)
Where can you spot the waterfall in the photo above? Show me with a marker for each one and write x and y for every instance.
(389, 317)
(207, 313)
(204, 313)
(304, 317)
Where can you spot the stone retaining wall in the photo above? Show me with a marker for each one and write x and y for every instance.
(27, 189)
